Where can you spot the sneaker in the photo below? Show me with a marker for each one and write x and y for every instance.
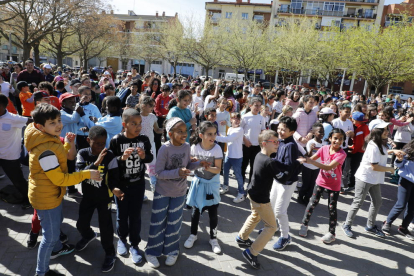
(75, 195)
(303, 232)
(328, 238)
(190, 241)
(245, 243)
(252, 260)
(347, 230)
(215, 246)
(349, 189)
(302, 201)
(32, 240)
(63, 237)
(83, 243)
(145, 198)
(2, 175)
(108, 264)
(122, 247)
(171, 260)
(152, 261)
(411, 227)
(135, 256)
(239, 198)
(114, 208)
(52, 273)
(405, 232)
(386, 228)
(375, 230)
(282, 243)
(224, 189)
(66, 249)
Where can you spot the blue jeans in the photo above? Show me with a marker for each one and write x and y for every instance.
(165, 226)
(236, 163)
(405, 200)
(50, 220)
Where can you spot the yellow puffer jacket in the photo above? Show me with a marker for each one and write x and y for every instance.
(46, 189)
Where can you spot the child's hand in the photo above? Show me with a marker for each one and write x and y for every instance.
(205, 164)
(93, 119)
(101, 157)
(95, 175)
(194, 159)
(302, 159)
(193, 121)
(223, 123)
(84, 129)
(79, 109)
(309, 136)
(183, 172)
(127, 154)
(141, 153)
(118, 193)
(70, 137)
(312, 147)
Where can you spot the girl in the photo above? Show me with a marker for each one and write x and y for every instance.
(204, 193)
(223, 117)
(369, 175)
(405, 196)
(211, 95)
(264, 111)
(293, 100)
(229, 96)
(172, 167)
(326, 115)
(149, 125)
(181, 111)
(310, 172)
(372, 112)
(278, 104)
(329, 179)
(334, 107)
(408, 103)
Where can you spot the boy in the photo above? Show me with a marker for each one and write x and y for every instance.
(252, 123)
(210, 114)
(47, 180)
(97, 194)
(86, 110)
(26, 98)
(132, 150)
(133, 99)
(41, 97)
(281, 193)
(346, 125)
(265, 170)
(161, 104)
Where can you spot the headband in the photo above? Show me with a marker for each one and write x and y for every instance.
(172, 122)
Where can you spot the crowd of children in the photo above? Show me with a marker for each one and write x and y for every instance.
(108, 142)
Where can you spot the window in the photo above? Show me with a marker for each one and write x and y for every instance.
(369, 13)
(258, 18)
(245, 15)
(333, 6)
(156, 62)
(76, 63)
(215, 16)
(296, 6)
(229, 14)
(5, 47)
(284, 8)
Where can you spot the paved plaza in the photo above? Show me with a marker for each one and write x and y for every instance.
(363, 255)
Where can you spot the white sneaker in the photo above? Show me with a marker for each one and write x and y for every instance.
(224, 189)
(145, 198)
(171, 260)
(215, 246)
(411, 227)
(239, 198)
(152, 261)
(190, 241)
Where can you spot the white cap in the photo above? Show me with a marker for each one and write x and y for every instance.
(106, 73)
(381, 125)
(129, 74)
(326, 110)
(47, 66)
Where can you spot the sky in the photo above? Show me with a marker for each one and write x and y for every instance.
(183, 7)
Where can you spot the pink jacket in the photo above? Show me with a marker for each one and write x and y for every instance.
(293, 104)
(305, 122)
(396, 122)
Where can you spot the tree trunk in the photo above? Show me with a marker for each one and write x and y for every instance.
(59, 58)
(85, 61)
(27, 47)
(207, 68)
(36, 53)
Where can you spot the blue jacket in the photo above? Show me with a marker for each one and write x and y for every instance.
(405, 169)
(112, 124)
(89, 110)
(70, 120)
(287, 154)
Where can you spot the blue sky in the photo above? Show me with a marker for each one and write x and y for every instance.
(183, 7)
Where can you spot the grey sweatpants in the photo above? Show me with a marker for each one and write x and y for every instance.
(361, 190)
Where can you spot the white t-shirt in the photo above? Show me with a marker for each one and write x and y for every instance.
(200, 102)
(253, 126)
(345, 126)
(206, 155)
(212, 103)
(372, 155)
(403, 133)
(223, 116)
(11, 135)
(234, 140)
(148, 126)
(6, 88)
(308, 148)
(278, 106)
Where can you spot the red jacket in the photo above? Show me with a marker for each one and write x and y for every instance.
(161, 104)
(361, 131)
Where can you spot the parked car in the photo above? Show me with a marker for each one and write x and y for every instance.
(268, 85)
(98, 70)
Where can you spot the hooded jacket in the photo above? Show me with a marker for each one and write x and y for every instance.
(49, 175)
(305, 122)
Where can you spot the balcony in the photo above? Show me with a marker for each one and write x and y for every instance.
(327, 13)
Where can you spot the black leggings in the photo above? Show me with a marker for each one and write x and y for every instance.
(332, 201)
(212, 213)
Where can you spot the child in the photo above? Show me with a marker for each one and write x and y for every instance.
(133, 99)
(210, 114)
(329, 180)
(112, 122)
(98, 194)
(48, 178)
(26, 98)
(204, 193)
(356, 151)
(161, 110)
(132, 150)
(86, 110)
(369, 176)
(326, 115)
(405, 195)
(402, 137)
(310, 172)
(278, 104)
(172, 167)
(265, 170)
(264, 111)
(281, 193)
(234, 157)
(223, 118)
(252, 123)
(109, 91)
(149, 126)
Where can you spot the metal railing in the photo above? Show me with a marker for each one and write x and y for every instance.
(326, 13)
